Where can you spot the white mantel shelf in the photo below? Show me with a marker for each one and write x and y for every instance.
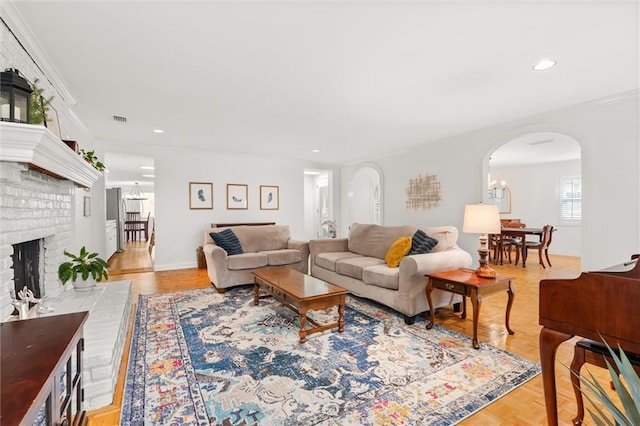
(42, 150)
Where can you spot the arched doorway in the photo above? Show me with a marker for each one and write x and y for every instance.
(365, 195)
(533, 172)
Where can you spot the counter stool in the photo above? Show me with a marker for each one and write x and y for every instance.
(592, 352)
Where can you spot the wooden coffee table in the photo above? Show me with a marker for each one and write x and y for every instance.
(465, 282)
(301, 292)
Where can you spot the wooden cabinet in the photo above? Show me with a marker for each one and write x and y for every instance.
(41, 371)
(111, 230)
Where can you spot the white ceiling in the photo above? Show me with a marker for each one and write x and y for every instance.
(353, 79)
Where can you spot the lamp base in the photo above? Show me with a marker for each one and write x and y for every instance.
(485, 271)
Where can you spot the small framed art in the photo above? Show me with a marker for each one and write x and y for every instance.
(237, 196)
(200, 195)
(269, 197)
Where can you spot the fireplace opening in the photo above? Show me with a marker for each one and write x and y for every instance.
(26, 266)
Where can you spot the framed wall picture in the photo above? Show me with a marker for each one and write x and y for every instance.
(87, 206)
(51, 122)
(269, 197)
(200, 195)
(237, 196)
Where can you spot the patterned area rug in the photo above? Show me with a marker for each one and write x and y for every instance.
(199, 357)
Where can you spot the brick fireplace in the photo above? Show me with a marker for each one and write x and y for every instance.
(38, 178)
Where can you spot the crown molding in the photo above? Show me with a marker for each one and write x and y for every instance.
(20, 28)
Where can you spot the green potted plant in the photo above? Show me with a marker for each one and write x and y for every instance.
(38, 104)
(628, 393)
(91, 158)
(84, 270)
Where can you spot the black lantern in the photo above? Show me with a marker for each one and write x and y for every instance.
(14, 97)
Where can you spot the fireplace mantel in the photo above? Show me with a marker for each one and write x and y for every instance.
(43, 151)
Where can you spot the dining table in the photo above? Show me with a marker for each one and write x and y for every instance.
(521, 233)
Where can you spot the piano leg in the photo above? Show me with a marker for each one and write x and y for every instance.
(576, 365)
(549, 342)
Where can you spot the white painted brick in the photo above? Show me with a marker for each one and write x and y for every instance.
(97, 402)
(99, 373)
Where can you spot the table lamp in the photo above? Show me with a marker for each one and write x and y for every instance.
(482, 219)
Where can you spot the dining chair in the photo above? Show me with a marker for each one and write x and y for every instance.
(503, 244)
(542, 246)
(132, 225)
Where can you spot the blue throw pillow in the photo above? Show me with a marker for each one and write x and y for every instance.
(228, 241)
(421, 243)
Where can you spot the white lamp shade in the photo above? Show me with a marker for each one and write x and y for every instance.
(481, 219)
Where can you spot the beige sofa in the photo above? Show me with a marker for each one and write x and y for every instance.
(263, 246)
(357, 264)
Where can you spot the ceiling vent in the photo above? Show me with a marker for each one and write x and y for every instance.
(119, 119)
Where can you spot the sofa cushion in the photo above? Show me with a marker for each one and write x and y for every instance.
(228, 241)
(375, 240)
(247, 261)
(447, 236)
(282, 257)
(328, 260)
(353, 267)
(381, 276)
(255, 239)
(421, 243)
(399, 249)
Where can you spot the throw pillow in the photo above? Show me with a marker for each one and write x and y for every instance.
(397, 251)
(228, 240)
(422, 243)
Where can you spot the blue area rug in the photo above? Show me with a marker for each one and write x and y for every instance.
(203, 358)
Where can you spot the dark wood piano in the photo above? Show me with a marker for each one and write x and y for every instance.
(597, 303)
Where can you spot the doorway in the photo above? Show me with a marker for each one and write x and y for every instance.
(319, 205)
(365, 195)
(526, 179)
(130, 201)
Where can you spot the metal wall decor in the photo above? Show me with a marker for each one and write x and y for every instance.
(423, 192)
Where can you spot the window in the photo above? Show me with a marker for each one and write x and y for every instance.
(571, 200)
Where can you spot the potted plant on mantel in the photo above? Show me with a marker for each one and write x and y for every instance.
(84, 270)
(91, 158)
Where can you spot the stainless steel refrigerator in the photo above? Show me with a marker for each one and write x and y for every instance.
(116, 210)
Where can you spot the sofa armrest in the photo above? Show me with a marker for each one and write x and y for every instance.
(328, 245)
(217, 261)
(413, 268)
(303, 246)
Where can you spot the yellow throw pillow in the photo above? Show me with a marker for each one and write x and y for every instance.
(399, 249)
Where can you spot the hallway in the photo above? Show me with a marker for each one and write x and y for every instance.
(134, 258)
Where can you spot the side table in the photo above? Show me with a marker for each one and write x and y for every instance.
(466, 283)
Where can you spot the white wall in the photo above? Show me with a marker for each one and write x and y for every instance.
(179, 230)
(534, 200)
(608, 135)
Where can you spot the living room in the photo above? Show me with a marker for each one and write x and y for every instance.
(602, 118)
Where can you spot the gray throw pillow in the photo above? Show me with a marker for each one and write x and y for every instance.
(421, 243)
(228, 240)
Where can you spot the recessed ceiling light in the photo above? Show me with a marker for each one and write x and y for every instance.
(544, 64)
(158, 131)
(150, 176)
(147, 167)
(315, 150)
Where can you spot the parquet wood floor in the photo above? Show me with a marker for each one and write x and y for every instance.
(523, 406)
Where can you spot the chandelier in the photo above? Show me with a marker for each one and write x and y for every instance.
(136, 193)
(497, 192)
